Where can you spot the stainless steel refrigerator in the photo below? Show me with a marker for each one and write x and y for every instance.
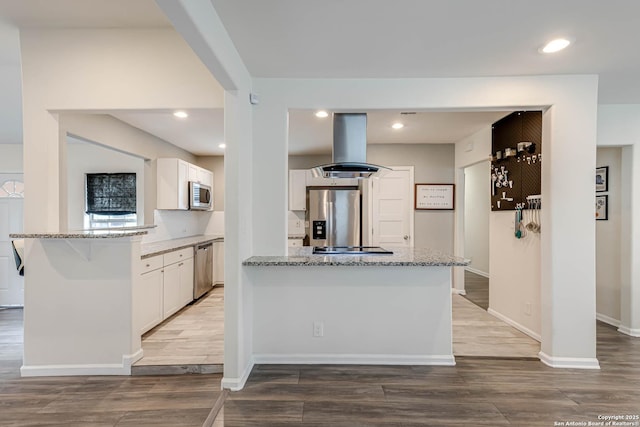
(333, 216)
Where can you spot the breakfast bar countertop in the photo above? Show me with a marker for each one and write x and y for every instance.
(302, 257)
(163, 246)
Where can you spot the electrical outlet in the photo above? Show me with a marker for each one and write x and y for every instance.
(527, 309)
(318, 329)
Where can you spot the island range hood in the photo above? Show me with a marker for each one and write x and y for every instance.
(349, 153)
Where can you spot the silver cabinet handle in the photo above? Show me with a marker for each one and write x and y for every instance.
(406, 237)
(148, 265)
(181, 264)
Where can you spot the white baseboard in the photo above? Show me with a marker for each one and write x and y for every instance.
(354, 359)
(476, 271)
(73, 370)
(88, 369)
(608, 320)
(628, 331)
(458, 291)
(569, 362)
(515, 324)
(237, 383)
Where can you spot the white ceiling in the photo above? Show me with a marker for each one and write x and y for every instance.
(436, 38)
(364, 38)
(200, 133)
(309, 134)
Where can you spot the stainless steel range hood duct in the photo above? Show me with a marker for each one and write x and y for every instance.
(349, 150)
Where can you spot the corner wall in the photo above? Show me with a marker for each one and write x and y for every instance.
(619, 126)
(608, 238)
(568, 292)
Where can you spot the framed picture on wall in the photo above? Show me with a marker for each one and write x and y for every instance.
(602, 207)
(435, 196)
(602, 178)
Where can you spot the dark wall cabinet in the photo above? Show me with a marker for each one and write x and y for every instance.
(516, 148)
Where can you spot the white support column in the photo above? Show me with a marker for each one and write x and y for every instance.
(630, 242)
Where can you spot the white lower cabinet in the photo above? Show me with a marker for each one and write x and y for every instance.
(165, 286)
(171, 290)
(149, 300)
(185, 269)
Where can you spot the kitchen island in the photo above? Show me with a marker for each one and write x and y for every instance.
(83, 299)
(79, 304)
(373, 309)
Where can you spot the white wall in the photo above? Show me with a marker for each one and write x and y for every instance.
(119, 136)
(11, 158)
(619, 126)
(568, 293)
(201, 26)
(608, 238)
(96, 70)
(10, 87)
(85, 157)
(477, 206)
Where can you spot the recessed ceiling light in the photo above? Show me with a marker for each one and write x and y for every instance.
(397, 125)
(555, 46)
(322, 114)
(222, 145)
(181, 114)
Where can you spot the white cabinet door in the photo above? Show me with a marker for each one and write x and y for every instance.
(186, 281)
(206, 177)
(194, 173)
(295, 243)
(171, 290)
(218, 263)
(148, 300)
(297, 190)
(172, 184)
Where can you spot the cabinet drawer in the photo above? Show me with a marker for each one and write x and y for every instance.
(177, 256)
(151, 263)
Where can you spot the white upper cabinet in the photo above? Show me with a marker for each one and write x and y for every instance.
(173, 182)
(297, 190)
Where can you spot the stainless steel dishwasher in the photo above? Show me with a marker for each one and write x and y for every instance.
(203, 280)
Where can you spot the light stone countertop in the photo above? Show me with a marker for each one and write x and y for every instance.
(87, 234)
(302, 257)
(164, 246)
(296, 236)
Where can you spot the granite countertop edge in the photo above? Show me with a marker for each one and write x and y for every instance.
(402, 257)
(79, 235)
(162, 247)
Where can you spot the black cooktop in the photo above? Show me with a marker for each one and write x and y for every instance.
(350, 250)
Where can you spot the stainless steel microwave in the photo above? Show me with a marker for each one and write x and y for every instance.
(200, 196)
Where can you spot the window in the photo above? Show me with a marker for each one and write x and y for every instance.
(112, 221)
(12, 188)
(111, 193)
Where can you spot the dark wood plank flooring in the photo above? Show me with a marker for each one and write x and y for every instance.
(477, 289)
(476, 391)
(107, 401)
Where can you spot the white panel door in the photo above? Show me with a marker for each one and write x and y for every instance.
(11, 283)
(392, 208)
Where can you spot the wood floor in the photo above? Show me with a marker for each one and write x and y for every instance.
(477, 391)
(477, 289)
(478, 333)
(191, 341)
(161, 401)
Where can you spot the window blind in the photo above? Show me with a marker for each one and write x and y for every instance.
(111, 193)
